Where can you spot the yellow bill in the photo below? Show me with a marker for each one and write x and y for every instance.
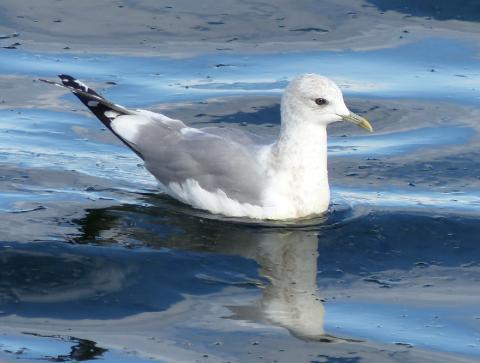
(358, 120)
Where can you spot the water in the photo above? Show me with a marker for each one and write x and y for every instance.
(95, 264)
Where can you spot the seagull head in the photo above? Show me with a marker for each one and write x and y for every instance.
(318, 99)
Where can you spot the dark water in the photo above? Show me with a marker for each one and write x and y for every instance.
(95, 264)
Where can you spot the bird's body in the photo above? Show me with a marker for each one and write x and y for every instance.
(229, 171)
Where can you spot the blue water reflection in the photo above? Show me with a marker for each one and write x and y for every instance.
(425, 69)
(314, 285)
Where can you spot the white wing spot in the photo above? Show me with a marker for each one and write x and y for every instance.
(92, 103)
(83, 85)
(111, 114)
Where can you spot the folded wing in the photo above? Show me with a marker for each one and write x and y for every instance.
(176, 153)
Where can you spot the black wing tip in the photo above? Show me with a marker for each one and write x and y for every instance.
(71, 82)
(66, 76)
(84, 93)
(74, 83)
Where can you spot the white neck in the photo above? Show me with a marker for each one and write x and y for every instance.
(299, 162)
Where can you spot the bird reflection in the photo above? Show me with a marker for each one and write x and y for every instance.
(291, 299)
(286, 257)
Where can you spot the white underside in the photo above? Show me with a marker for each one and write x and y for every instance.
(218, 202)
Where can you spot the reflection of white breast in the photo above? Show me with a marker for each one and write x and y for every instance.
(292, 300)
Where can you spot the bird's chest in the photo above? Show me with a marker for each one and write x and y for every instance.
(299, 186)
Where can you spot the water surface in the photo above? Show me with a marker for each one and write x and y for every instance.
(96, 264)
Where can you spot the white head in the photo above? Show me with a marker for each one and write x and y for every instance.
(314, 98)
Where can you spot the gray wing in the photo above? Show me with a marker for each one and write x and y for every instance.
(175, 153)
(214, 157)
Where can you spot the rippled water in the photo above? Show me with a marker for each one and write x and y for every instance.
(96, 264)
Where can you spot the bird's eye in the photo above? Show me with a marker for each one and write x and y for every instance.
(321, 101)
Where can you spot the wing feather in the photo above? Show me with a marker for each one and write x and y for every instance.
(176, 153)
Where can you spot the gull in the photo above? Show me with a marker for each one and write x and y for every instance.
(228, 171)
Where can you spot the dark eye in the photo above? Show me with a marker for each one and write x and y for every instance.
(321, 101)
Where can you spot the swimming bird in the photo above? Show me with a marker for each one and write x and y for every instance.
(228, 171)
